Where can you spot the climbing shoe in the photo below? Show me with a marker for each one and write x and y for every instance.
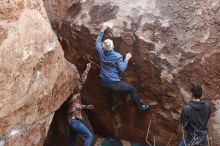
(145, 107)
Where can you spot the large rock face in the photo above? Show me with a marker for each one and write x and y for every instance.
(35, 78)
(175, 44)
(56, 10)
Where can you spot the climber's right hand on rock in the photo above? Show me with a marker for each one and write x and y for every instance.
(88, 65)
(128, 56)
(104, 27)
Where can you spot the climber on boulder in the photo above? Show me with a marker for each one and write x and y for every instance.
(75, 116)
(112, 66)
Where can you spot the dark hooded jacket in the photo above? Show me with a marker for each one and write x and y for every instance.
(195, 116)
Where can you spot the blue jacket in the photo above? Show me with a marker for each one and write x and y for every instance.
(111, 63)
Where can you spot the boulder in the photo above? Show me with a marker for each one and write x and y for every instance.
(175, 44)
(35, 78)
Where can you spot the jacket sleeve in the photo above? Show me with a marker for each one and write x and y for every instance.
(122, 65)
(184, 119)
(99, 42)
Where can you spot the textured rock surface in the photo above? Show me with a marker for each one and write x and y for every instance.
(35, 78)
(175, 44)
(56, 10)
